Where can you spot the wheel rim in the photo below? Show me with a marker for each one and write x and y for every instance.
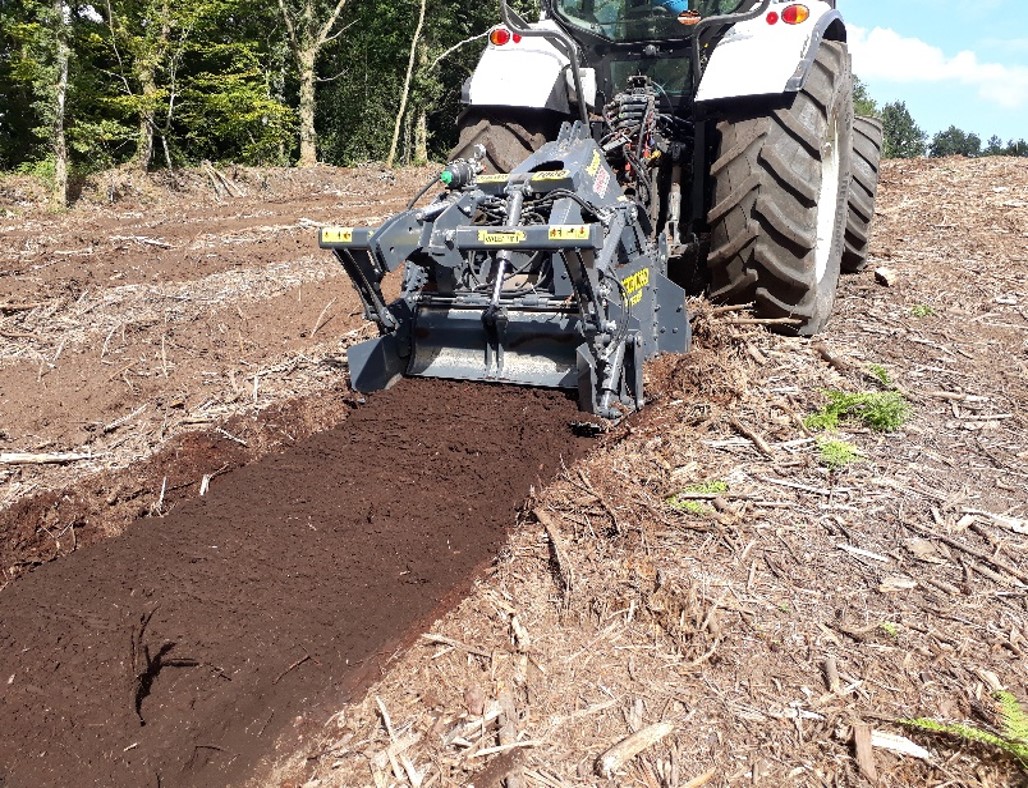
(827, 202)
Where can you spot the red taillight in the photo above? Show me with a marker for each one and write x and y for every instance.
(772, 18)
(795, 15)
(501, 35)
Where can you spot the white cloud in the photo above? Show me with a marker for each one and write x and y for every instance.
(884, 54)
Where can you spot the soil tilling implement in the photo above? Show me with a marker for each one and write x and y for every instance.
(611, 155)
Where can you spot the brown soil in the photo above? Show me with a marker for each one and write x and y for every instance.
(771, 619)
(176, 653)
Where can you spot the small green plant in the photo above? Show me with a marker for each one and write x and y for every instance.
(43, 169)
(881, 374)
(1009, 736)
(685, 504)
(884, 411)
(837, 454)
(922, 310)
(890, 628)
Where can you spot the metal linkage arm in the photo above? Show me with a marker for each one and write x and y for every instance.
(352, 248)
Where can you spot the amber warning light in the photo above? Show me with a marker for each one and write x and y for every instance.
(792, 15)
(499, 36)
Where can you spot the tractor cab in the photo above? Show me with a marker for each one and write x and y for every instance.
(642, 20)
(621, 39)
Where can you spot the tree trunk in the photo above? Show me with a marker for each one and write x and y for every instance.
(308, 136)
(421, 139)
(59, 196)
(144, 138)
(406, 84)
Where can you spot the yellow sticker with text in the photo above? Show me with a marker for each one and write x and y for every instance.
(568, 232)
(500, 239)
(594, 165)
(336, 235)
(550, 175)
(636, 281)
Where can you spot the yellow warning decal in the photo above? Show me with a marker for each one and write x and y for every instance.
(500, 239)
(550, 175)
(498, 178)
(568, 232)
(594, 165)
(636, 281)
(634, 284)
(336, 235)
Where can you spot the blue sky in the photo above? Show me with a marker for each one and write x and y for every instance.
(959, 62)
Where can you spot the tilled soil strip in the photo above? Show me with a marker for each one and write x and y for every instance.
(178, 652)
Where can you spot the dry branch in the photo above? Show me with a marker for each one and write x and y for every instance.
(754, 436)
(318, 323)
(9, 307)
(626, 749)
(560, 559)
(958, 545)
(764, 321)
(445, 641)
(864, 752)
(508, 735)
(28, 458)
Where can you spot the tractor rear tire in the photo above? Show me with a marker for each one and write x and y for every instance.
(780, 199)
(509, 135)
(867, 155)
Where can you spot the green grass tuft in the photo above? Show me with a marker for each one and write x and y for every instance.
(882, 375)
(711, 487)
(922, 310)
(837, 454)
(884, 411)
(890, 628)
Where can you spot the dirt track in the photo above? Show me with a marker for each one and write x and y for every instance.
(176, 653)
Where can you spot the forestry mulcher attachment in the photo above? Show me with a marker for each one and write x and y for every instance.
(612, 154)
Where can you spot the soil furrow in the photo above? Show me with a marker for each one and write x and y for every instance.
(180, 650)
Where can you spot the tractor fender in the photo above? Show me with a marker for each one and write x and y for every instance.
(530, 73)
(759, 59)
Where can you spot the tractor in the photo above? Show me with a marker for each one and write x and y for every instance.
(612, 156)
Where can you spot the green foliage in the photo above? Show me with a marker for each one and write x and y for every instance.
(884, 411)
(890, 628)
(881, 374)
(710, 487)
(903, 138)
(178, 82)
(922, 310)
(1010, 737)
(955, 142)
(836, 454)
(1016, 148)
(994, 147)
(863, 104)
(43, 169)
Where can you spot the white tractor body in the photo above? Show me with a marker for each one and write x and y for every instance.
(528, 73)
(756, 58)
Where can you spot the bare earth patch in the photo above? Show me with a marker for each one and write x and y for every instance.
(759, 601)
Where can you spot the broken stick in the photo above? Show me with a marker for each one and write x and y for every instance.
(626, 749)
(29, 458)
(565, 572)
